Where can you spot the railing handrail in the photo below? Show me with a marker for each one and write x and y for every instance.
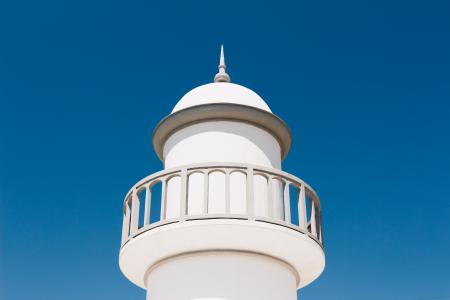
(312, 227)
(243, 166)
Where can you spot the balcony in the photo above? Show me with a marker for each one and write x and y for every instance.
(222, 191)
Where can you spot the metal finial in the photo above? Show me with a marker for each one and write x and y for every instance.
(222, 76)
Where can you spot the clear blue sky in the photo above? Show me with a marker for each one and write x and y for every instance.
(364, 86)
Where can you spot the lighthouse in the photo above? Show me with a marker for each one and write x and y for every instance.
(222, 220)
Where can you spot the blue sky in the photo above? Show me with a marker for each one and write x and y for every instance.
(364, 86)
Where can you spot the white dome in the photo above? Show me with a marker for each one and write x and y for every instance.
(221, 92)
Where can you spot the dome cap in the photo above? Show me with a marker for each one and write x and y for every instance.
(221, 92)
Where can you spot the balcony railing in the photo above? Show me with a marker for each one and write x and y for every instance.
(222, 191)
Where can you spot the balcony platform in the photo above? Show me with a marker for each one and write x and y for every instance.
(302, 254)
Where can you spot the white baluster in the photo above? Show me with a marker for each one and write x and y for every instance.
(206, 192)
(227, 191)
(134, 212)
(183, 194)
(313, 218)
(302, 217)
(163, 199)
(148, 204)
(287, 203)
(270, 197)
(126, 222)
(250, 194)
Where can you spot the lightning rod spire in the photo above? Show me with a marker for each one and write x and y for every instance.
(222, 75)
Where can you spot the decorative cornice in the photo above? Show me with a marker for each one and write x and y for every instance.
(221, 111)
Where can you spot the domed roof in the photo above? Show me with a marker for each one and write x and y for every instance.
(221, 92)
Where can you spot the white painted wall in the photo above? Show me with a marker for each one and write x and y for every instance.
(222, 141)
(221, 276)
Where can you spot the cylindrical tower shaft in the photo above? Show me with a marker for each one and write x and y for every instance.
(222, 276)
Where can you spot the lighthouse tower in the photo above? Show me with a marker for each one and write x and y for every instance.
(221, 221)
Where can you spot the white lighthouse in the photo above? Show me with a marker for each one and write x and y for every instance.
(221, 221)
